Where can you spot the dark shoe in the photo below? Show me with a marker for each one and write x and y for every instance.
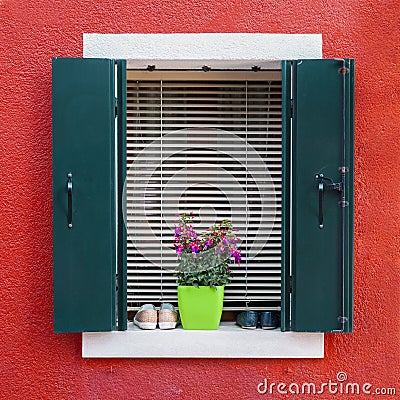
(247, 319)
(270, 319)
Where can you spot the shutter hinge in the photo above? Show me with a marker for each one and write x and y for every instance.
(343, 70)
(116, 107)
(342, 321)
(291, 284)
(291, 108)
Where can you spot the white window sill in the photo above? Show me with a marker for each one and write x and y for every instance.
(229, 341)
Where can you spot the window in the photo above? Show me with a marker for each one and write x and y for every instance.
(316, 288)
(210, 143)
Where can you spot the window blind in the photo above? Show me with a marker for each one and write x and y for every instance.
(208, 143)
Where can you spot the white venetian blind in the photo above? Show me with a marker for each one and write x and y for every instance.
(208, 143)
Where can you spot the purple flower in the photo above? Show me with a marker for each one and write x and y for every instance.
(220, 237)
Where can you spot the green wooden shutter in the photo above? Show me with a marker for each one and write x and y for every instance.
(84, 146)
(317, 268)
(121, 163)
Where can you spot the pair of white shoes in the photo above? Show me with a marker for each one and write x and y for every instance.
(147, 317)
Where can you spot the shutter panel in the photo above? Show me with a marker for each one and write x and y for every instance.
(84, 145)
(321, 143)
(121, 168)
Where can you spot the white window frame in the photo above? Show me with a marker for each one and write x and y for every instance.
(192, 51)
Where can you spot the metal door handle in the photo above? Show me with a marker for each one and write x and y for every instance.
(324, 183)
(69, 193)
(321, 201)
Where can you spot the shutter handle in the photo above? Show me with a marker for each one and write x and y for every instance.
(69, 192)
(322, 185)
(320, 203)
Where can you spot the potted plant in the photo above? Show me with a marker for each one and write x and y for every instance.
(203, 270)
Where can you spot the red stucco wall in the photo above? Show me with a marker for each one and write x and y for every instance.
(37, 364)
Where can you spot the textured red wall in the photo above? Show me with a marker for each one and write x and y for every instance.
(37, 364)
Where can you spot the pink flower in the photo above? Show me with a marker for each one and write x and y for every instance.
(220, 237)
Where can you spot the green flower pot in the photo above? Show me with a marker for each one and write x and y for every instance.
(200, 308)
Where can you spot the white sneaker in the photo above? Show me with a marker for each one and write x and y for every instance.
(167, 316)
(146, 317)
